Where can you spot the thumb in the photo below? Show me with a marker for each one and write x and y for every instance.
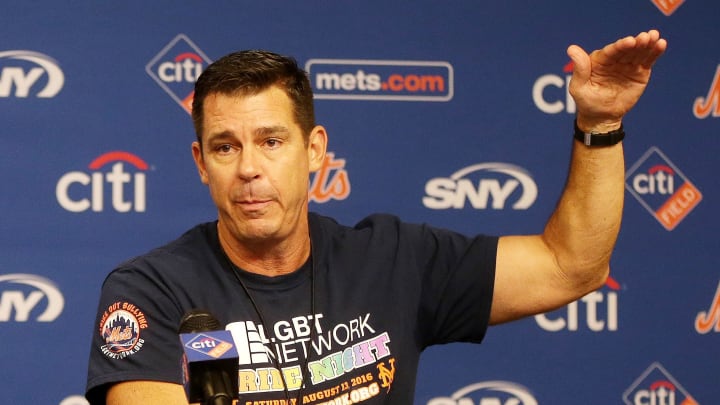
(581, 62)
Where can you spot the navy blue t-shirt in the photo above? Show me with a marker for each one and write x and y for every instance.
(356, 316)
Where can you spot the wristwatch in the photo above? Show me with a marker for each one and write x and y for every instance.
(598, 138)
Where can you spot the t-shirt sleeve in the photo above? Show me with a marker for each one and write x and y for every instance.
(457, 286)
(135, 333)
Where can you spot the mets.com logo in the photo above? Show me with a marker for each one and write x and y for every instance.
(389, 80)
(488, 392)
(661, 188)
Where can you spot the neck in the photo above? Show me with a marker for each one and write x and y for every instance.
(268, 258)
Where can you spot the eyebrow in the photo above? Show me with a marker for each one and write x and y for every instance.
(258, 132)
(263, 131)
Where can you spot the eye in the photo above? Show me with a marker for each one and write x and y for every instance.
(224, 148)
(272, 143)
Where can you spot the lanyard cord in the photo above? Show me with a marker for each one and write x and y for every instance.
(304, 370)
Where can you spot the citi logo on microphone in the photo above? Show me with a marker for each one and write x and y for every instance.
(208, 345)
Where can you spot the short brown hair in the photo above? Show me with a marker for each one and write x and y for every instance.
(251, 72)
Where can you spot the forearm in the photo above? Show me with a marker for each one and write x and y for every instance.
(582, 231)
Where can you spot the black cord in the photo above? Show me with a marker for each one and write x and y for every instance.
(304, 370)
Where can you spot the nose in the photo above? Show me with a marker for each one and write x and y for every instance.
(248, 166)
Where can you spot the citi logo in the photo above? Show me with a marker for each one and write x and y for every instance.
(79, 191)
(488, 392)
(710, 104)
(176, 68)
(483, 185)
(661, 188)
(657, 387)
(708, 321)
(390, 80)
(551, 92)
(20, 71)
(598, 312)
(21, 294)
(209, 345)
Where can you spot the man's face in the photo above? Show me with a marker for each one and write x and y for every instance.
(257, 165)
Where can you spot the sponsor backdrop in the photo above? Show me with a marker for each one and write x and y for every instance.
(452, 113)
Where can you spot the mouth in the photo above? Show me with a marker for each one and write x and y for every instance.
(253, 205)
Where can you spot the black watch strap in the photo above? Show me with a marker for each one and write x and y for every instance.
(599, 139)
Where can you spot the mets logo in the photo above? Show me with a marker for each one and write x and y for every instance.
(386, 374)
(661, 188)
(120, 329)
(176, 68)
(710, 104)
(657, 387)
(707, 321)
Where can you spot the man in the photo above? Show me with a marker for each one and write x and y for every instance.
(343, 313)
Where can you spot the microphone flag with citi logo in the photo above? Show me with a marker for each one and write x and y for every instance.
(210, 359)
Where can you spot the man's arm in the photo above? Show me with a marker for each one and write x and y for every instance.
(146, 392)
(571, 257)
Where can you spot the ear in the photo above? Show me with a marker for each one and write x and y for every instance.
(317, 147)
(199, 162)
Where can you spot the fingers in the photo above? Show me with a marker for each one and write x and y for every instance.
(642, 50)
(581, 62)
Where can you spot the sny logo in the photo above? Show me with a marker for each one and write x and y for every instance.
(710, 104)
(657, 387)
(22, 304)
(488, 392)
(117, 177)
(661, 188)
(176, 68)
(496, 183)
(25, 79)
(707, 321)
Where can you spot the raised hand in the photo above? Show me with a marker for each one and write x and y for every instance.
(608, 82)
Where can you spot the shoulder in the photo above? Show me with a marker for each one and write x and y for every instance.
(178, 257)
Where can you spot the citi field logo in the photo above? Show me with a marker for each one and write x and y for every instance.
(488, 392)
(710, 104)
(551, 92)
(483, 185)
(176, 68)
(23, 73)
(668, 6)
(709, 321)
(597, 311)
(657, 387)
(390, 80)
(22, 294)
(661, 188)
(79, 191)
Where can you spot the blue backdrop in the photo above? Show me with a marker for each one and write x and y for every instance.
(452, 113)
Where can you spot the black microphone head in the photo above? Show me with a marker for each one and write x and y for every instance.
(198, 320)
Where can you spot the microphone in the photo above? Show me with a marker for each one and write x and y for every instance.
(210, 360)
